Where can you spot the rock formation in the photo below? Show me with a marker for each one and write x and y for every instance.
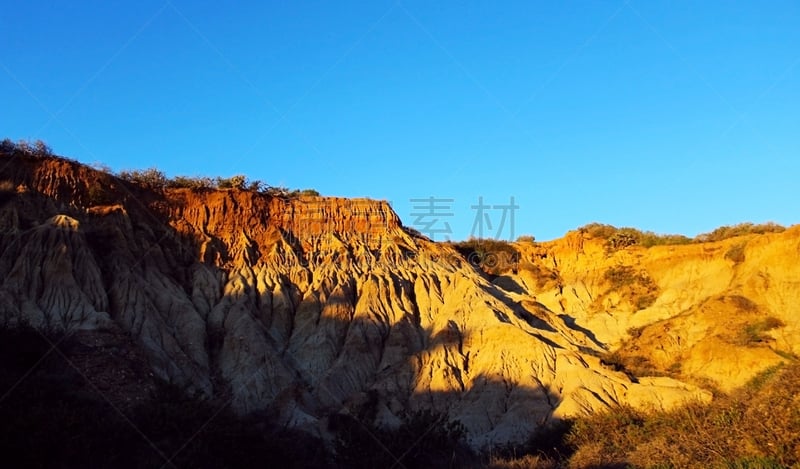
(309, 306)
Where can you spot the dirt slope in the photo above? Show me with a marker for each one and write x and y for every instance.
(719, 312)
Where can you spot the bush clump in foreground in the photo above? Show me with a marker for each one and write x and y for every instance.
(757, 426)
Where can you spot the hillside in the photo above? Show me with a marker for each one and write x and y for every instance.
(716, 313)
(302, 306)
(301, 309)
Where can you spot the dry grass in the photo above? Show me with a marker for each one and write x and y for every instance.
(528, 461)
(758, 426)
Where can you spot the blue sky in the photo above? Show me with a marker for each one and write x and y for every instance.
(675, 117)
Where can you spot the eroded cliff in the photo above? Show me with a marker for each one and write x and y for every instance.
(302, 307)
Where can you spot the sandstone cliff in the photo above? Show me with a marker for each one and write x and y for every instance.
(713, 312)
(309, 306)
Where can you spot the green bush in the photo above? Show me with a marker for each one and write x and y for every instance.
(233, 182)
(598, 230)
(619, 238)
(191, 182)
(150, 178)
(725, 232)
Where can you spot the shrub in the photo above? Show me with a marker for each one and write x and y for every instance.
(36, 148)
(102, 167)
(7, 146)
(279, 191)
(413, 232)
(526, 239)
(725, 232)
(742, 303)
(635, 286)
(97, 195)
(150, 178)
(191, 182)
(527, 461)
(41, 149)
(620, 238)
(736, 253)
(645, 301)
(598, 230)
(755, 333)
(233, 182)
(621, 276)
(491, 255)
(255, 186)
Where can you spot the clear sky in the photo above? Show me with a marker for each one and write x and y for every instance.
(675, 117)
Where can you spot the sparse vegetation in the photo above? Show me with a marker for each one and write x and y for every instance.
(758, 426)
(736, 253)
(725, 232)
(636, 286)
(491, 255)
(234, 182)
(621, 276)
(155, 179)
(742, 303)
(755, 333)
(620, 238)
(151, 178)
(191, 182)
(545, 278)
(634, 366)
(97, 195)
(35, 148)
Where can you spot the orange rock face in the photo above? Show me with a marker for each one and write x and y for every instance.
(305, 306)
